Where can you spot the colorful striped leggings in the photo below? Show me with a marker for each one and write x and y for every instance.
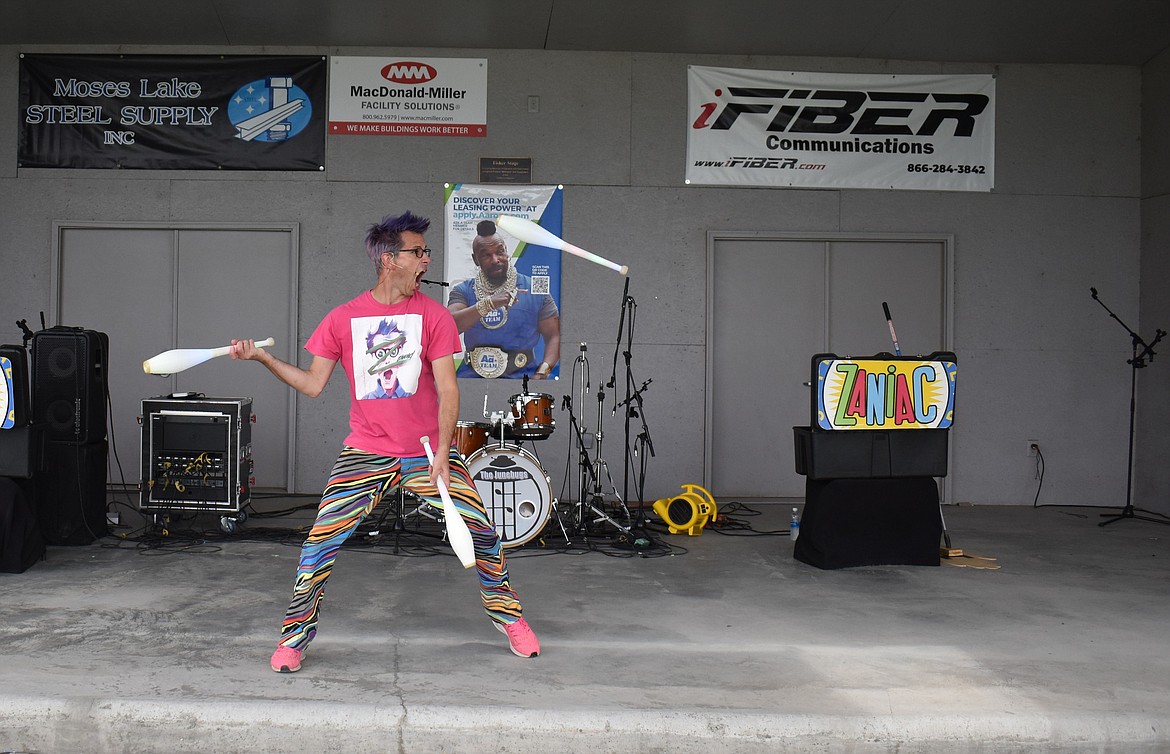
(358, 482)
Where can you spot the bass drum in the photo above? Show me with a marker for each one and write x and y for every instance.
(515, 491)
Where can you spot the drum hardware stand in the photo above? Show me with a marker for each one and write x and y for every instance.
(595, 500)
(1137, 362)
(583, 382)
(502, 419)
(397, 506)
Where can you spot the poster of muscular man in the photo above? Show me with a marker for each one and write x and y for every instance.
(505, 294)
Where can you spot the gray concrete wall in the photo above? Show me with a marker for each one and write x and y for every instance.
(1038, 358)
(1152, 467)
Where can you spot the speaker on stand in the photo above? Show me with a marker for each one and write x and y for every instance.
(69, 388)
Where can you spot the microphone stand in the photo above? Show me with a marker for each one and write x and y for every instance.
(627, 304)
(583, 383)
(643, 441)
(628, 355)
(1137, 362)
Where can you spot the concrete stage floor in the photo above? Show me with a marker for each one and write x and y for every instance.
(726, 644)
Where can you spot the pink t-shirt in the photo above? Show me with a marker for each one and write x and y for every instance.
(386, 351)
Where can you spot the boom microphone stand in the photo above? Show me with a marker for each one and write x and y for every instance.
(1137, 362)
(642, 441)
(628, 305)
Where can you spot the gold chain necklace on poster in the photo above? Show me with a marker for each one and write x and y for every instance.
(484, 291)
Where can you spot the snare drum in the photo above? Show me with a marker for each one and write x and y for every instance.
(516, 492)
(532, 416)
(471, 436)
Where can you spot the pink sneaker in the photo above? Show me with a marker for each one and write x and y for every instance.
(520, 638)
(286, 660)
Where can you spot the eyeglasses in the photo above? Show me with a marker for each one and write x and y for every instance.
(424, 251)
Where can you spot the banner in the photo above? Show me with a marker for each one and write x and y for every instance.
(505, 294)
(172, 112)
(881, 393)
(415, 97)
(829, 130)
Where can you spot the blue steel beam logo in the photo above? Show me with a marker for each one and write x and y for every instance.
(271, 109)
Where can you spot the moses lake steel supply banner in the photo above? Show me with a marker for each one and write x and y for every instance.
(408, 96)
(467, 205)
(171, 112)
(829, 130)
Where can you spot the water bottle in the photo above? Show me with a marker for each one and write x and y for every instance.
(794, 526)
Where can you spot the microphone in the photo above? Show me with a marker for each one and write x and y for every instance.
(443, 283)
(1093, 291)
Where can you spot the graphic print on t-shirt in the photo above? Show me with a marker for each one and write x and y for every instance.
(387, 355)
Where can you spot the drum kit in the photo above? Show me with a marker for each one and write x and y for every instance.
(516, 491)
(514, 487)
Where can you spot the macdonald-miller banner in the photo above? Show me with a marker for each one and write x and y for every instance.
(171, 112)
(829, 130)
(412, 96)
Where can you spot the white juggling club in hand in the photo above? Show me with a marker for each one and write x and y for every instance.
(457, 532)
(178, 359)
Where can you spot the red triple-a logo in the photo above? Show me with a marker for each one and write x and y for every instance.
(407, 72)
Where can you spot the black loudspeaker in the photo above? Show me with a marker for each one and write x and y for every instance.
(69, 383)
(71, 493)
(21, 544)
(860, 522)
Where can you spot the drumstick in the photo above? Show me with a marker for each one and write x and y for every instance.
(178, 359)
(530, 232)
(457, 532)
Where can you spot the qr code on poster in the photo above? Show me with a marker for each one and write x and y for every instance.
(540, 284)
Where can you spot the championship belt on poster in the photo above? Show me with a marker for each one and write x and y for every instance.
(488, 361)
(492, 361)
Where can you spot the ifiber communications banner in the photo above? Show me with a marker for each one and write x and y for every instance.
(207, 112)
(408, 96)
(822, 130)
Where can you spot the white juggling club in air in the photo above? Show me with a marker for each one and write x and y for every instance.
(457, 532)
(529, 232)
(178, 359)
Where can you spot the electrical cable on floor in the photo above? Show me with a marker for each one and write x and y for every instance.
(1035, 501)
(1039, 475)
(729, 522)
(1040, 484)
(180, 532)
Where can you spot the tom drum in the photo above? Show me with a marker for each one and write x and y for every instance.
(532, 416)
(471, 436)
